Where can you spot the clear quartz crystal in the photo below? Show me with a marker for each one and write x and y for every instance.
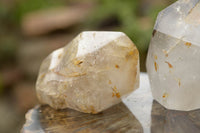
(173, 61)
(91, 73)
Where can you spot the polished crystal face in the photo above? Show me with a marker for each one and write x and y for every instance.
(173, 61)
(91, 73)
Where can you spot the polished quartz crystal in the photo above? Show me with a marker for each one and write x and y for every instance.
(91, 73)
(173, 61)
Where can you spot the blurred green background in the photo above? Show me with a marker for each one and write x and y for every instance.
(31, 29)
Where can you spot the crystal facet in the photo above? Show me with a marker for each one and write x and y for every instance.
(173, 61)
(91, 73)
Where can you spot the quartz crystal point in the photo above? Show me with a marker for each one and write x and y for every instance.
(173, 61)
(91, 73)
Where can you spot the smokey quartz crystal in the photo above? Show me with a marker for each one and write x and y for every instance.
(173, 61)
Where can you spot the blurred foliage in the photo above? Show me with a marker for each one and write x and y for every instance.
(135, 21)
(10, 16)
(8, 48)
(3, 11)
(1, 84)
(24, 6)
(21, 7)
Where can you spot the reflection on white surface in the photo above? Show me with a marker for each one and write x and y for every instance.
(140, 103)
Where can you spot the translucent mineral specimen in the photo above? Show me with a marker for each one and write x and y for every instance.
(89, 74)
(173, 61)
